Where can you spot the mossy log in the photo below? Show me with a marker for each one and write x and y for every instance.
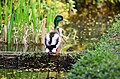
(31, 60)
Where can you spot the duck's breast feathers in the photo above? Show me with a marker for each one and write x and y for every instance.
(52, 38)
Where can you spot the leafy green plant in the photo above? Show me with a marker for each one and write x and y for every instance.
(101, 59)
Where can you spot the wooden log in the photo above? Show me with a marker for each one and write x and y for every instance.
(19, 60)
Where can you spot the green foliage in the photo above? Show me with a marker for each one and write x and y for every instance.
(101, 3)
(96, 3)
(114, 31)
(101, 59)
(112, 1)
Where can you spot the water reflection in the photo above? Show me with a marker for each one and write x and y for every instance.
(25, 74)
(55, 75)
(20, 47)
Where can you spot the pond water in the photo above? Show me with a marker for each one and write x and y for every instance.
(20, 48)
(25, 74)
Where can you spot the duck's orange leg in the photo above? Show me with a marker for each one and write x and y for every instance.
(48, 53)
(57, 52)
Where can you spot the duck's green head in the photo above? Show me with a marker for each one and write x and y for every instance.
(58, 18)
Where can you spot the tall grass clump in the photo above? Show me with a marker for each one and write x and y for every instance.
(23, 19)
(101, 59)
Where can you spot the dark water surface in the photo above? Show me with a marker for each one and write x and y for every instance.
(20, 47)
(25, 74)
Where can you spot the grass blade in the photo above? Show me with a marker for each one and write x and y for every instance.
(0, 16)
(6, 12)
(10, 29)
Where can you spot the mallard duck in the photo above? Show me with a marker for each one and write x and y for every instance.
(53, 38)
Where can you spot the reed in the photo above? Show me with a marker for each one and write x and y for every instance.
(50, 17)
(33, 7)
(9, 26)
(6, 12)
(21, 16)
(0, 16)
(5, 21)
(0, 21)
(10, 29)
